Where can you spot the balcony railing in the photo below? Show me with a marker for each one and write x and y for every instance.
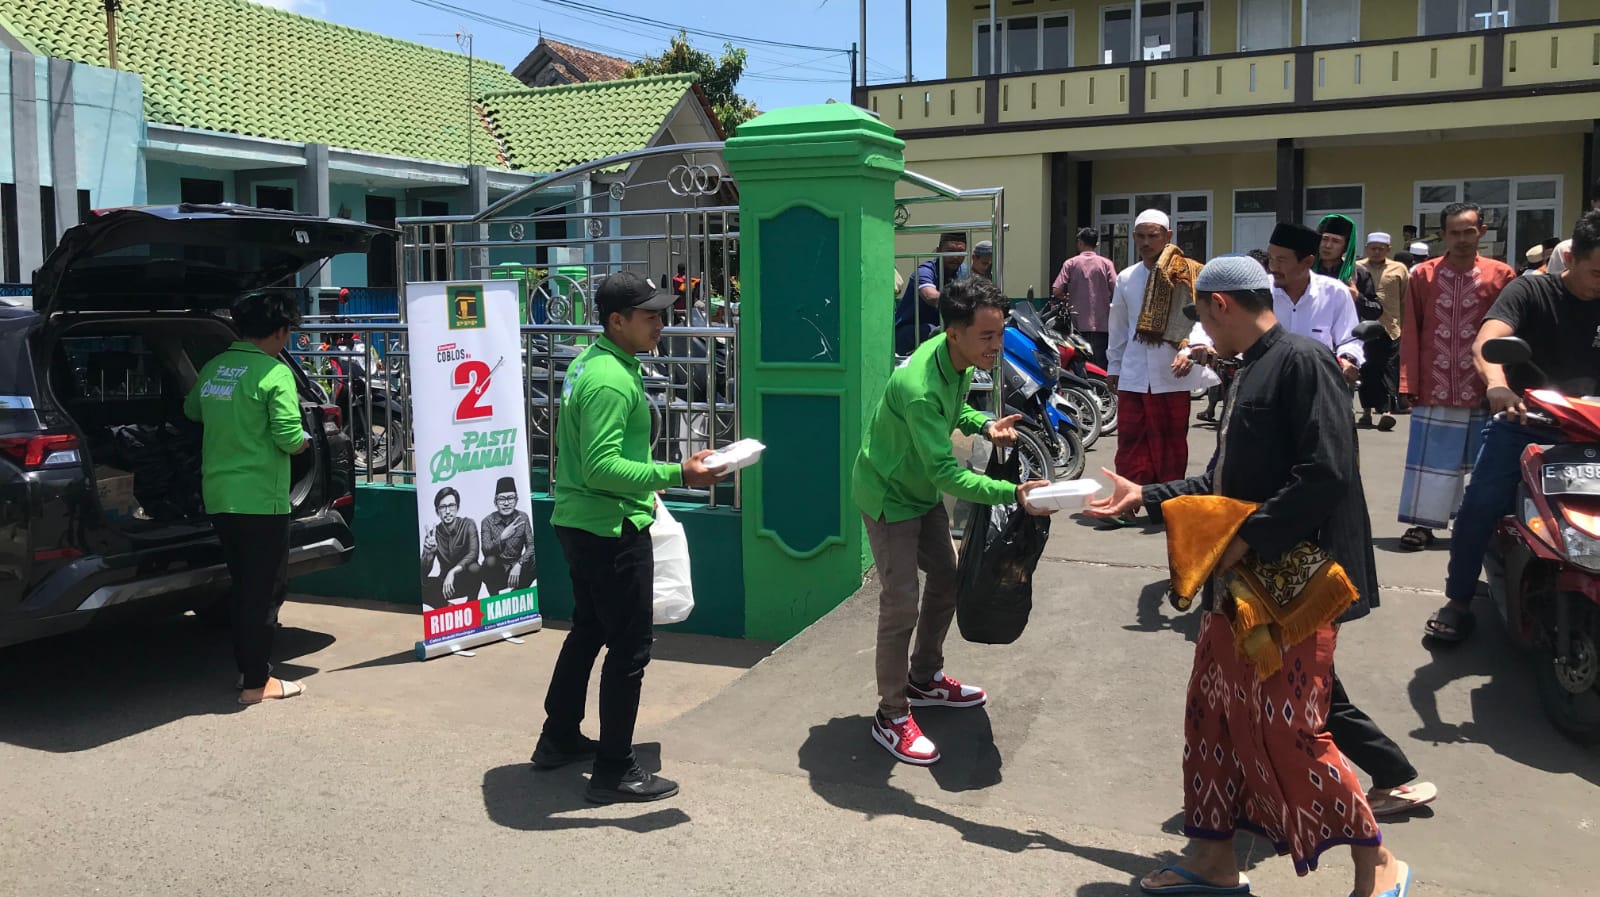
(1486, 63)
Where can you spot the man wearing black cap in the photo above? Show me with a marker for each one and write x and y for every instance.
(604, 506)
(507, 542)
(1309, 303)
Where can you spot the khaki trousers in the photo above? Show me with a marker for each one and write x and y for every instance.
(899, 550)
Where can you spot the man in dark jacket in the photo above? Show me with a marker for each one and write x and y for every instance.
(1287, 444)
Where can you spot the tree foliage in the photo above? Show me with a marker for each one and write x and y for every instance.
(719, 78)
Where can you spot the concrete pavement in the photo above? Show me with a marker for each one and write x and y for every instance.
(129, 770)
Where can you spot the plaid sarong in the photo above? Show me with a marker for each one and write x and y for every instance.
(1444, 444)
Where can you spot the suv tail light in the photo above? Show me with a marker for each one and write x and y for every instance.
(45, 450)
(332, 418)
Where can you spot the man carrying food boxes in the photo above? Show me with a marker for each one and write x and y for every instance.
(604, 507)
(906, 463)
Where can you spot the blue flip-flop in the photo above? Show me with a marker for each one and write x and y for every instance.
(1194, 884)
(1401, 888)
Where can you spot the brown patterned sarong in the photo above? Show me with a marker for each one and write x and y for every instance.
(1257, 754)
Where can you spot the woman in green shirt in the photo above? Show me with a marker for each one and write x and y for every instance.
(248, 402)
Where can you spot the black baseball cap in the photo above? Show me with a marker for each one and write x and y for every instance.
(626, 290)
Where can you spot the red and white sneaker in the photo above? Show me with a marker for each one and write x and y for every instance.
(904, 739)
(945, 692)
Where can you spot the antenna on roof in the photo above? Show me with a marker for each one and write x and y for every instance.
(464, 41)
(112, 8)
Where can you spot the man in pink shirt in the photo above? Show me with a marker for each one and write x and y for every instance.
(1087, 281)
(1446, 301)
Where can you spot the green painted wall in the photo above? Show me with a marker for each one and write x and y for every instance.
(814, 355)
(384, 566)
(715, 562)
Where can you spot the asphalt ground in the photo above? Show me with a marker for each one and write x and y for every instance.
(128, 769)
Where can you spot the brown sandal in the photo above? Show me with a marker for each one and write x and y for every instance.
(1417, 538)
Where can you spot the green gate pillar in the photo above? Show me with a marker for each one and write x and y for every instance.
(816, 209)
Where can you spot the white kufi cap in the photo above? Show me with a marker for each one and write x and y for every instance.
(1154, 216)
(1377, 236)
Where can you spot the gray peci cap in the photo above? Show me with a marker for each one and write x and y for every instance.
(1232, 273)
(1228, 274)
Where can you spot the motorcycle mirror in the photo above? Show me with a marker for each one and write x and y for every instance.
(1506, 350)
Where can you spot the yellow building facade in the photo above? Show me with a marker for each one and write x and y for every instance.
(1233, 114)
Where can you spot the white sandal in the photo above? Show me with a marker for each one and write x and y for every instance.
(290, 689)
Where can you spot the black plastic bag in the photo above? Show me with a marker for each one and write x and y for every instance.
(1000, 548)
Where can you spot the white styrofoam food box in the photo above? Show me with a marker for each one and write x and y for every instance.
(737, 456)
(1064, 496)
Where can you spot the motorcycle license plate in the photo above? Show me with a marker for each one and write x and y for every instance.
(1571, 479)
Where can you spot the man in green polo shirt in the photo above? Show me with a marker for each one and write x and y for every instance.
(905, 465)
(248, 401)
(604, 506)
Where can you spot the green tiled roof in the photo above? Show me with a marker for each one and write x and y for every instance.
(236, 66)
(547, 129)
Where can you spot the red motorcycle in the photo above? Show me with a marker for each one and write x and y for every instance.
(1543, 563)
(1075, 352)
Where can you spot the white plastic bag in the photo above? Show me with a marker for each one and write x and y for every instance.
(674, 592)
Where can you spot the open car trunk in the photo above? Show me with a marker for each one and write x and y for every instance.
(123, 381)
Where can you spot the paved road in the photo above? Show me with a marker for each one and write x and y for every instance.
(128, 770)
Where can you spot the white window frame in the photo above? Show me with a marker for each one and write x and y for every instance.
(1205, 28)
(1305, 26)
(1508, 16)
(1000, 40)
(1209, 217)
(1288, 31)
(1356, 214)
(1514, 247)
(1235, 215)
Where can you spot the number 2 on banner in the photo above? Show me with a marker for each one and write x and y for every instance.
(475, 376)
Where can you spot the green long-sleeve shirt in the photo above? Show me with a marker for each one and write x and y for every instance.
(250, 408)
(604, 474)
(906, 460)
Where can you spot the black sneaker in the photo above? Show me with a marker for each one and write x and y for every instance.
(634, 787)
(549, 754)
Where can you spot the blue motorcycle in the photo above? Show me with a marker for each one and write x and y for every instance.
(1030, 367)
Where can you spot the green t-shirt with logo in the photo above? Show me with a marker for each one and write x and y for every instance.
(250, 407)
(604, 474)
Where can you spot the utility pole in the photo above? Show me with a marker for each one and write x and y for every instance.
(112, 8)
(909, 79)
(464, 40)
(863, 43)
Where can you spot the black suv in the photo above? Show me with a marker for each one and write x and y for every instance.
(100, 511)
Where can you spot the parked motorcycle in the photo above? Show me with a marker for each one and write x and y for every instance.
(1543, 563)
(1031, 371)
(1075, 352)
(378, 426)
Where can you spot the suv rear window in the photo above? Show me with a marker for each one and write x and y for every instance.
(18, 387)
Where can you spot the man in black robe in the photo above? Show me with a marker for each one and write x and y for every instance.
(1287, 442)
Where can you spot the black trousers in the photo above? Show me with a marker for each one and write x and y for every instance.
(497, 576)
(612, 589)
(256, 550)
(467, 586)
(1098, 343)
(1360, 739)
(1380, 376)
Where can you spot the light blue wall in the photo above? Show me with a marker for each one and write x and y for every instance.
(108, 124)
(7, 171)
(351, 270)
(165, 180)
(109, 119)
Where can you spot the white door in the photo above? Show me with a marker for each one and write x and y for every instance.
(1331, 22)
(1263, 25)
(1252, 232)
